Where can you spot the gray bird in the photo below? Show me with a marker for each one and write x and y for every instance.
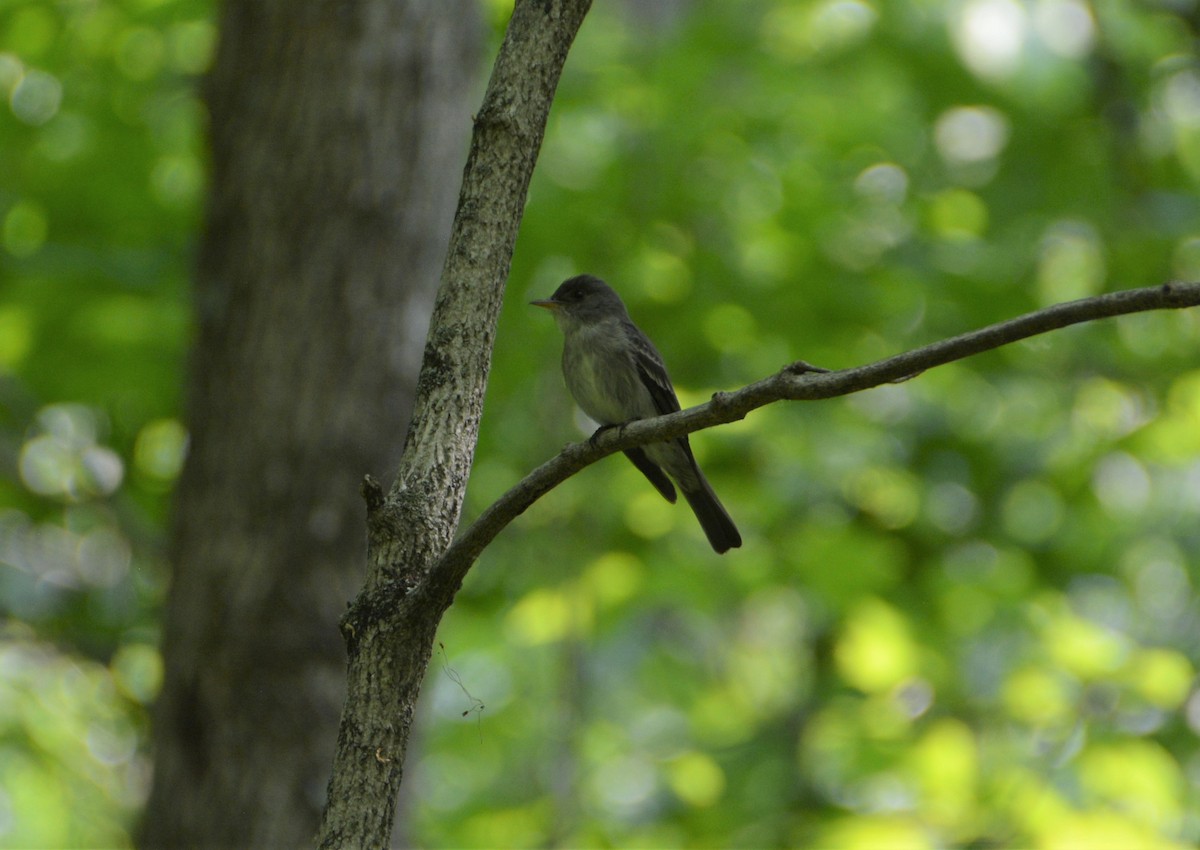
(617, 375)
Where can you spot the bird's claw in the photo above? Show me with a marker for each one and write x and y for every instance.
(596, 434)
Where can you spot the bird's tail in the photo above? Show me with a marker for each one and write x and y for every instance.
(714, 519)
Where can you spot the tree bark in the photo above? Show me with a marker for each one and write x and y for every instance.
(410, 528)
(337, 139)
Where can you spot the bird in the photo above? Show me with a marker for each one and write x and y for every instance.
(616, 375)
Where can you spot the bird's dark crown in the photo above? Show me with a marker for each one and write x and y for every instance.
(584, 299)
(583, 287)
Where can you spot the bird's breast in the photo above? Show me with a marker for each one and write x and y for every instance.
(601, 376)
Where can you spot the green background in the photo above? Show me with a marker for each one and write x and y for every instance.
(964, 614)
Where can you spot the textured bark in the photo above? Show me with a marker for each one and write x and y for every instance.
(409, 529)
(338, 133)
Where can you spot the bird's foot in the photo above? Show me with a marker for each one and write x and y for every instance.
(596, 434)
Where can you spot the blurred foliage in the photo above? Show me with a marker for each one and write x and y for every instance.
(100, 195)
(965, 613)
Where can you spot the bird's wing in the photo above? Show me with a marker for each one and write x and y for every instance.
(654, 377)
(652, 372)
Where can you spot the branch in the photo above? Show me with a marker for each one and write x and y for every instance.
(412, 525)
(426, 496)
(796, 382)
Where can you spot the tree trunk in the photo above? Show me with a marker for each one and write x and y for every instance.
(338, 136)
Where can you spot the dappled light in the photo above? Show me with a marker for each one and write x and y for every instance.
(965, 613)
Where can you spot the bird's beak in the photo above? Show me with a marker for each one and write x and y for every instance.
(549, 304)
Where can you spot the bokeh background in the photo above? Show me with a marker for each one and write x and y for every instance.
(965, 611)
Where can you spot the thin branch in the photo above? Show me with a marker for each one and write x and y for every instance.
(796, 382)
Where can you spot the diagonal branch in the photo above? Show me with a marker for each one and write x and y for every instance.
(796, 382)
(408, 529)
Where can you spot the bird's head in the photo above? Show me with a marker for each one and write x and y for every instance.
(583, 300)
